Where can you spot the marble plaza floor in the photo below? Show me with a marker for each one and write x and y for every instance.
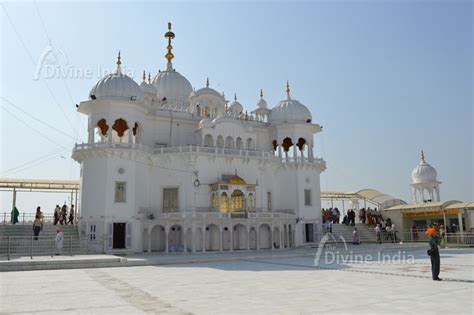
(286, 284)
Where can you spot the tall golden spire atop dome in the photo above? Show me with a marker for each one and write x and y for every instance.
(207, 82)
(261, 93)
(287, 88)
(170, 35)
(119, 61)
(144, 76)
(149, 78)
(423, 156)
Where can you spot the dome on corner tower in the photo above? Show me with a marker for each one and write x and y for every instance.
(117, 85)
(289, 111)
(423, 172)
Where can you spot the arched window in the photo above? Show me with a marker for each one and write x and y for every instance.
(102, 130)
(250, 145)
(251, 202)
(237, 200)
(208, 141)
(229, 142)
(238, 143)
(224, 202)
(220, 142)
(136, 130)
(287, 144)
(215, 200)
(120, 128)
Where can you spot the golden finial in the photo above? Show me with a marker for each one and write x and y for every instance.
(144, 76)
(423, 156)
(119, 62)
(261, 93)
(149, 78)
(170, 35)
(207, 82)
(235, 97)
(287, 88)
(246, 115)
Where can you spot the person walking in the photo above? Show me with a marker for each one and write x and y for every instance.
(434, 241)
(378, 234)
(37, 226)
(355, 237)
(59, 241)
(14, 215)
(71, 215)
(63, 214)
(57, 214)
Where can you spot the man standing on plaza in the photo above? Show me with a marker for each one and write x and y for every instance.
(434, 241)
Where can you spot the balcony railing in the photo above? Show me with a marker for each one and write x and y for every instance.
(148, 213)
(195, 149)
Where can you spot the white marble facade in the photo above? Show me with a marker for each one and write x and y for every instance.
(170, 168)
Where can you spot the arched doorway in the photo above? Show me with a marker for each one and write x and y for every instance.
(198, 240)
(264, 237)
(208, 141)
(253, 238)
(145, 239)
(290, 236)
(226, 239)
(276, 237)
(175, 238)
(239, 237)
(158, 239)
(189, 240)
(212, 238)
(285, 236)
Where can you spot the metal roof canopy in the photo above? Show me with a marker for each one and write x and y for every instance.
(371, 195)
(38, 184)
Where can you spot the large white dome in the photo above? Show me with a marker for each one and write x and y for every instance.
(235, 107)
(172, 85)
(290, 111)
(117, 85)
(423, 172)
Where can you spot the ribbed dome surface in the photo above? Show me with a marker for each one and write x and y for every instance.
(172, 85)
(289, 111)
(424, 173)
(117, 85)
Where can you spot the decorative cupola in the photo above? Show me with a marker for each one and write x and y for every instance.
(117, 86)
(425, 185)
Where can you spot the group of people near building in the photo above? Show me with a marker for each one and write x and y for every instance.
(386, 230)
(61, 215)
(331, 214)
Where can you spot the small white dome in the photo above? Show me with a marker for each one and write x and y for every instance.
(148, 89)
(117, 85)
(262, 103)
(172, 85)
(235, 107)
(207, 91)
(221, 119)
(206, 123)
(423, 172)
(290, 111)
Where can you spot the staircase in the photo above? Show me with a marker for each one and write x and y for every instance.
(366, 233)
(18, 240)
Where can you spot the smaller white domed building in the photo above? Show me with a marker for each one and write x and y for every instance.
(425, 185)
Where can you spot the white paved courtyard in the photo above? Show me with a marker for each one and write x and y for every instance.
(276, 285)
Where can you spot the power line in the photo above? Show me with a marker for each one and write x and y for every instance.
(33, 62)
(37, 119)
(29, 126)
(33, 163)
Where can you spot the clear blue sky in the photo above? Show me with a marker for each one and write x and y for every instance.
(384, 78)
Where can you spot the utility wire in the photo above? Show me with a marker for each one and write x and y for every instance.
(37, 119)
(34, 64)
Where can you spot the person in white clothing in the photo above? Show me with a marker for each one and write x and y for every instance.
(59, 241)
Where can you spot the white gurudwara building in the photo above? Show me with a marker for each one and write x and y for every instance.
(169, 168)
